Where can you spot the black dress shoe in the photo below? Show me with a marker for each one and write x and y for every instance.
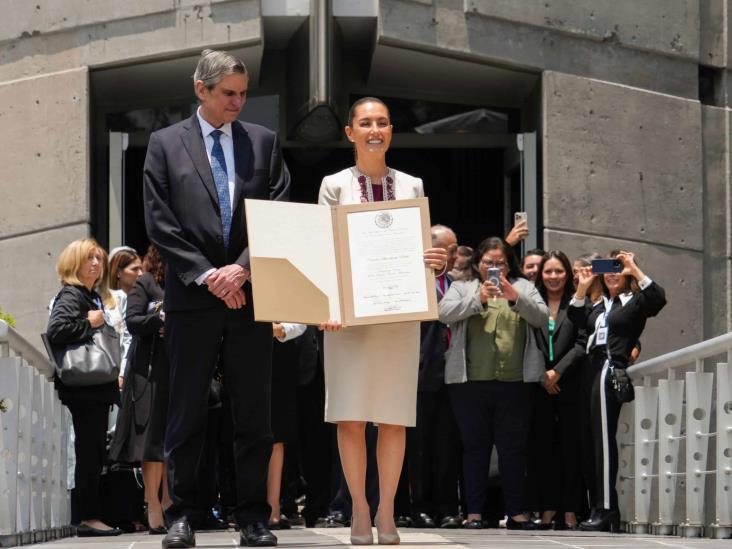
(450, 522)
(180, 534)
(520, 525)
(403, 522)
(475, 524)
(423, 520)
(84, 531)
(157, 531)
(257, 535)
(336, 519)
(282, 524)
(602, 520)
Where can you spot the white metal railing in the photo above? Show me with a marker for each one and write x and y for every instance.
(34, 501)
(664, 442)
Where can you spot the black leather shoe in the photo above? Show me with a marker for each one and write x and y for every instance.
(519, 525)
(157, 531)
(450, 522)
(84, 531)
(257, 535)
(180, 534)
(282, 524)
(602, 520)
(475, 524)
(403, 522)
(336, 519)
(423, 520)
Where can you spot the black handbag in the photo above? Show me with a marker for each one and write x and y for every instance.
(91, 362)
(620, 382)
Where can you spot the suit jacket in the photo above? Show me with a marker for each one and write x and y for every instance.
(569, 343)
(182, 207)
(432, 348)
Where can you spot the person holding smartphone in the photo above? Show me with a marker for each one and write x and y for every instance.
(613, 322)
(488, 368)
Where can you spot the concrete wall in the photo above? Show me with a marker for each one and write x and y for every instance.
(46, 51)
(631, 159)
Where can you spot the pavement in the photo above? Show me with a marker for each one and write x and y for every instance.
(412, 538)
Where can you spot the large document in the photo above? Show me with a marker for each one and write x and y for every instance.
(356, 264)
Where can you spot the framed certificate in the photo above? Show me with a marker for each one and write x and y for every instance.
(357, 264)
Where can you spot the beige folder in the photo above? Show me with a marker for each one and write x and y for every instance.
(302, 266)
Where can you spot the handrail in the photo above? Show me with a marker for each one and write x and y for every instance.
(23, 348)
(681, 357)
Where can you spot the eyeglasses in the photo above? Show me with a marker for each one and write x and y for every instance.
(490, 264)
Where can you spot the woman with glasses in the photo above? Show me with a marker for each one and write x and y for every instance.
(489, 363)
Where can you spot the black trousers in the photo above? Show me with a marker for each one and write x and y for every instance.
(488, 413)
(90, 429)
(195, 340)
(555, 447)
(316, 448)
(433, 454)
(599, 447)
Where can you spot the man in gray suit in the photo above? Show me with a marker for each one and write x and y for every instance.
(197, 174)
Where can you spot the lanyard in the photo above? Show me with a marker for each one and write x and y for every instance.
(551, 340)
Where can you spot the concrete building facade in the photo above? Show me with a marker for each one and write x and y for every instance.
(627, 104)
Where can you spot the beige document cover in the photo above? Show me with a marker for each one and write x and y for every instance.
(356, 264)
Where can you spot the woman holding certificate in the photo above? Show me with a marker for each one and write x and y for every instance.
(371, 371)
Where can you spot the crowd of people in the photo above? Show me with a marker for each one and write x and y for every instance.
(266, 426)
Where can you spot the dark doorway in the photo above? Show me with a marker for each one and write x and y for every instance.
(465, 186)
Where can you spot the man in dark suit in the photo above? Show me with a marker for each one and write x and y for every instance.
(433, 445)
(197, 174)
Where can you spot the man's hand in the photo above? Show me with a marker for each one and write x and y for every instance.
(225, 282)
(235, 300)
(518, 233)
(278, 330)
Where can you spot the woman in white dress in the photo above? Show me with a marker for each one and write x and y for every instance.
(371, 371)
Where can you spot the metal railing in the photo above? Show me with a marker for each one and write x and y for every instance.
(34, 501)
(669, 481)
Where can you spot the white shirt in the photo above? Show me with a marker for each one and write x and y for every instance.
(227, 144)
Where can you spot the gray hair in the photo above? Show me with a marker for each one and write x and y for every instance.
(214, 65)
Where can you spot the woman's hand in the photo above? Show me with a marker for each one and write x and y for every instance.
(95, 318)
(550, 382)
(486, 292)
(331, 326)
(435, 258)
(278, 330)
(627, 259)
(509, 292)
(586, 278)
(519, 231)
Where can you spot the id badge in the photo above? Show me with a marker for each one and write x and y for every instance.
(601, 337)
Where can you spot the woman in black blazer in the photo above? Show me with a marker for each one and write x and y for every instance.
(76, 313)
(140, 431)
(556, 445)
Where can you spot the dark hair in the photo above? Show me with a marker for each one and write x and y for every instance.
(359, 102)
(154, 264)
(535, 251)
(630, 283)
(564, 260)
(496, 243)
(120, 260)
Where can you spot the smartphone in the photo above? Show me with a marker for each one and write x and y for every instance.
(518, 217)
(493, 276)
(602, 266)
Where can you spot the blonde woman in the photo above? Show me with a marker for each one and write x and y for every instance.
(77, 311)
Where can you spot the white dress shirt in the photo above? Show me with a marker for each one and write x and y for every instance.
(227, 144)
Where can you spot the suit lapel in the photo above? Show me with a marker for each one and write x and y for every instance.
(193, 142)
(561, 315)
(242, 160)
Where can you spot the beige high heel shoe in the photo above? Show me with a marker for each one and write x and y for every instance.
(366, 539)
(387, 538)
